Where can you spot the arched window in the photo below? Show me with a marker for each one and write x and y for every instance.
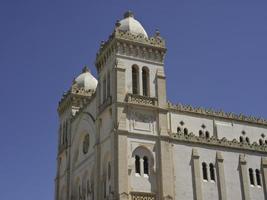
(108, 84)
(200, 133)
(251, 176)
(185, 131)
(212, 172)
(80, 192)
(247, 140)
(204, 171)
(178, 130)
(207, 134)
(109, 171)
(241, 139)
(258, 177)
(146, 165)
(260, 142)
(88, 189)
(137, 165)
(104, 95)
(135, 79)
(145, 81)
(86, 144)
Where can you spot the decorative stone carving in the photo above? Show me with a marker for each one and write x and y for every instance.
(128, 44)
(219, 142)
(214, 113)
(142, 196)
(141, 121)
(138, 99)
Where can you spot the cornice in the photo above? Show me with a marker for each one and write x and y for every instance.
(218, 114)
(75, 96)
(128, 44)
(223, 142)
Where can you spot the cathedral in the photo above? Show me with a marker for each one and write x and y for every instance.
(120, 138)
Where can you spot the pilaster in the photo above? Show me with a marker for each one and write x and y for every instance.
(264, 174)
(196, 175)
(221, 176)
(122, 168)
(244, 177)
(167, 177)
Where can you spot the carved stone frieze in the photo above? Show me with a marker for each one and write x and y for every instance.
(223, 142)
(142, 121)
(128, 44)
(215, 113)
(75, 96)
(138, 99)
(142, 196)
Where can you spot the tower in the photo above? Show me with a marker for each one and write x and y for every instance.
(132, 114)
(114, 141)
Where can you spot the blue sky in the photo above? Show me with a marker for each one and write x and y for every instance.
(217, 57)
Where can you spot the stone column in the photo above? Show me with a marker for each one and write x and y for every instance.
(122, 168)
(196, 175)
(161, 88)
(166, 178)
(264, 174)
(244, 177)
(221, 177)
(120, 94)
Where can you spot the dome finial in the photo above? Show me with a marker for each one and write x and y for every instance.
(85, 69)
(128, 14)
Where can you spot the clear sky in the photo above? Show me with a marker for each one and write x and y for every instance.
(217, 57)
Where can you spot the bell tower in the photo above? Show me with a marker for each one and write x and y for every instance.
(132, 88)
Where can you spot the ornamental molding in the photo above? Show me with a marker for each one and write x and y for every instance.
(143, 100)
(128, 44)
(215, 113)
(223, 142)
(142, 196)
(75, 96)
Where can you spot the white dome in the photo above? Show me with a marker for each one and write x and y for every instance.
(86, 80)
(131, 25)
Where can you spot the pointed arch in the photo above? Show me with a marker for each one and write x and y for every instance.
(145, 81)
(135, 79)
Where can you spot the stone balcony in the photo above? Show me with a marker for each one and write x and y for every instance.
(144, 100)
(142, 196)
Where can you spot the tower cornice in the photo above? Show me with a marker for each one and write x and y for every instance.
(128, 44)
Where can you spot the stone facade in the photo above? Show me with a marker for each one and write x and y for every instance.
(124, 140)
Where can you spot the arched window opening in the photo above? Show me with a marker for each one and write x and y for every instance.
(265, 141)
(108, 84)
(241, 139)
(204, 171)
(185, 131)
(212, 172)
(135, 79)
(260, 142)
(80, 193)
(104, 95)
(258, 177)
(178, 130)
(200, 133)
(145, 81)
(247, 140)
(137, 165)
(86, 144)
(251, 176)
(109, 171)
(146, 165)
(207, 134)
(88, 191)
(105, 187)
